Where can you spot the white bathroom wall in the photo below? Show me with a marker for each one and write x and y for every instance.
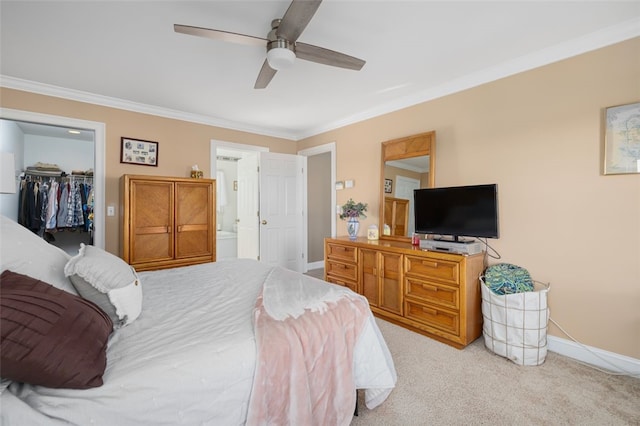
(11, 140)
(226, 217)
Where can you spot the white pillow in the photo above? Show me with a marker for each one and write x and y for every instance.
(107, 281)
(24, 252)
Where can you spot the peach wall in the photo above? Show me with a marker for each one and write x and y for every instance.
(538, 135)
(181, 144)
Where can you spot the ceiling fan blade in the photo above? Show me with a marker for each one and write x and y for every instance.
(321, 55)
(265, 76)
(296, 18)
(220, 35)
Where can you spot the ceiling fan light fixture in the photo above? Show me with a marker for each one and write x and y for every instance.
(280, 58)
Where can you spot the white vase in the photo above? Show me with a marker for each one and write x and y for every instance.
(353, 225)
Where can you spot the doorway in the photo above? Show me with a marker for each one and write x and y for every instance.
(225, 159)
(321, 178)
(270, 203)
(61, 125)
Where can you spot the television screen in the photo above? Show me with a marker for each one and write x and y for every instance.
(470, 211)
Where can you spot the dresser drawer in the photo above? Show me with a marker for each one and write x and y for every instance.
(345, 283)
(340, 252)
(432, 292)
(346, 271)
(443, 270)
(433, 316)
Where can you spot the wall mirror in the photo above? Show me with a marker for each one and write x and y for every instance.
(407, 163)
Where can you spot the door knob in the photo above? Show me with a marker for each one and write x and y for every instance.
(264, 222)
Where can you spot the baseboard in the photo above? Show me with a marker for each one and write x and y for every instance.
(315, 265)
(605, 360)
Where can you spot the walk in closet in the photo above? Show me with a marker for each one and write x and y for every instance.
(55, 185)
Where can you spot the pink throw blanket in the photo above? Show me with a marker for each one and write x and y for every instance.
(304, 373)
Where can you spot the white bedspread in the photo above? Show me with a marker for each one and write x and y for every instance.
(188, 359)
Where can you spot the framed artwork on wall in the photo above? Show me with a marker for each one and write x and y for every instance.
(388, 186)
(137, 151)
(622, 139)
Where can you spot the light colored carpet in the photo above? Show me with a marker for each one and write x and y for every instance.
(440, 385)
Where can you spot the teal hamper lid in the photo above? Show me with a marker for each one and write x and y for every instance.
(505, 278)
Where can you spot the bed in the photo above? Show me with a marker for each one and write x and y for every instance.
(226, 343)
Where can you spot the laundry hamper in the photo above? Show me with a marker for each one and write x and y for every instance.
(515, 325)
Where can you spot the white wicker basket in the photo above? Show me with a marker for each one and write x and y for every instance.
(515, 325)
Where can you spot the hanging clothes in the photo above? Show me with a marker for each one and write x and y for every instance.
(47, 203)
(52, 206)
(63, 205)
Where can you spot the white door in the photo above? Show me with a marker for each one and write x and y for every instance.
(404, 189)
(248, 206)
(282, 201)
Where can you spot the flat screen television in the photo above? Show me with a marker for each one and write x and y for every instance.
(457, 211)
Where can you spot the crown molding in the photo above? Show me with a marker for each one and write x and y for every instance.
(593, 41)
(596, 40)
(92, 98)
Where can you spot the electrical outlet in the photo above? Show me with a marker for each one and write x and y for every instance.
(111, 211)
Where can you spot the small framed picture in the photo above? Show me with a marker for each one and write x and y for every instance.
(388, 186)
(622, 139)
(137, 151)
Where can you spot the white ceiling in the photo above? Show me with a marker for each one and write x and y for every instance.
(126, 54)
(56, 131)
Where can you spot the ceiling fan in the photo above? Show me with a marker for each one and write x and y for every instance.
(281, 42)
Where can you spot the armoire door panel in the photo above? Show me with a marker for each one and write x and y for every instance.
(152, 221)
(194, 228)
(193, 204)
(153, 204)
(152, 247)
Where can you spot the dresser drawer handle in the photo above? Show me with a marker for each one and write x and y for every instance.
(430, 264)
(429, 287)
(429, 311)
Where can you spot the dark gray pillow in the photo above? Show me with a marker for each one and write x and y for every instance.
(107, 281)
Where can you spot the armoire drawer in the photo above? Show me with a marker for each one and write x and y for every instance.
(427, 267)
(341, 252)
(432, 292)
(433, 316)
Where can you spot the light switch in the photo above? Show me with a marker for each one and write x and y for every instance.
(348, 183)
(111, 211)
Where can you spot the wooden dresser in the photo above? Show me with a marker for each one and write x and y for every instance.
(167, 221)
(436, 294)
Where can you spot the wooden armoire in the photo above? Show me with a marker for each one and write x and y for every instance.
(167, 221)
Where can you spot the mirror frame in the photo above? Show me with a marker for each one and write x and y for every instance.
(406, 147)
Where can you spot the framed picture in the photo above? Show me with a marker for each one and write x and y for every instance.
(137, 151)
(622, 139)
(388, 186)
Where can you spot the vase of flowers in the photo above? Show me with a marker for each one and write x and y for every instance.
(352, 212)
